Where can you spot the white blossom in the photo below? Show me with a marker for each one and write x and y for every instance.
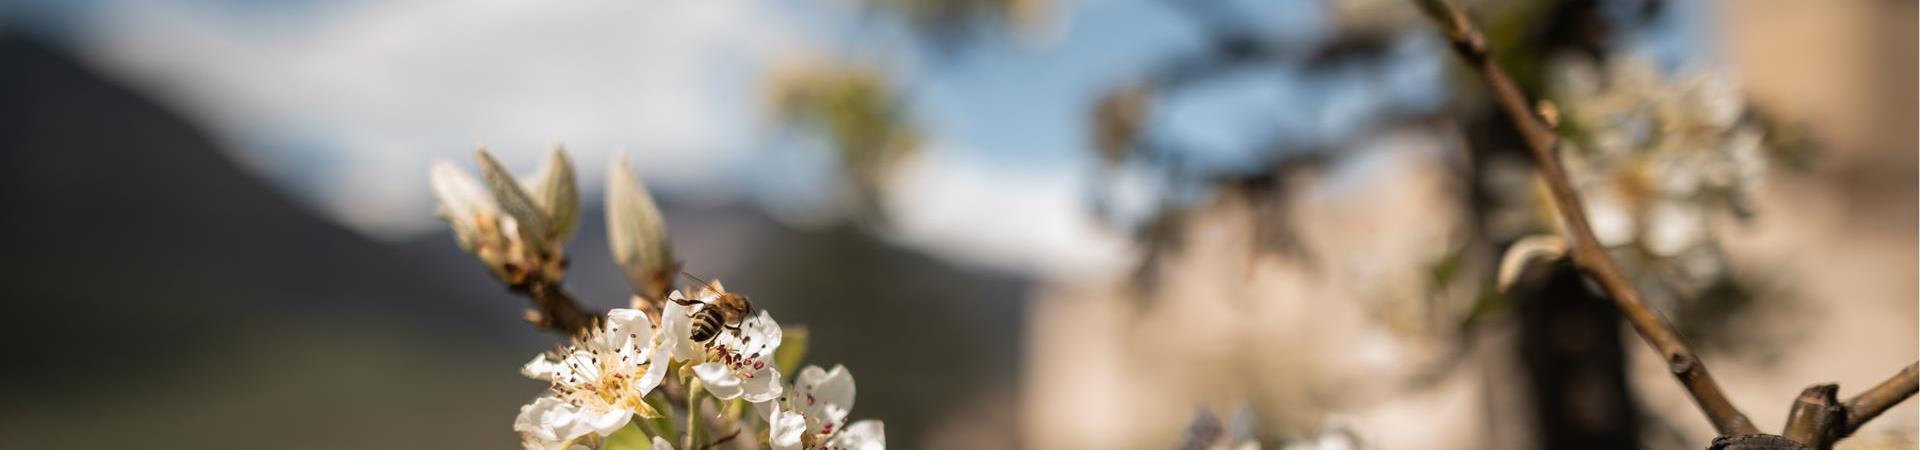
(1653, 155)
(551, 424)
(739, 363)
(736, 363)
(814, 414)
(598, 382)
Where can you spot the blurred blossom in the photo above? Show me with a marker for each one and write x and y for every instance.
(1334, 435)
(1294, 339)
(1206, 432)
(860, 111)
(1655, 157)
(951, 22)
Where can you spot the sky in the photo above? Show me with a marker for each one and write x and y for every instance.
(344, 104)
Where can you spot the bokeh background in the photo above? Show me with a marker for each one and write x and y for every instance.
(1021, 223)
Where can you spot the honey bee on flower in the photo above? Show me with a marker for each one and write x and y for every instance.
(732, 362)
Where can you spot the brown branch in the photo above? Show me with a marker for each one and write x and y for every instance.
(715, 444)
(1815, 416)
(554, 309)
(1878, 399)
(1588, 254)
(1756, 442)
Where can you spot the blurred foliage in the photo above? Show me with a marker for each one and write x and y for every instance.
(1118, 121)
(950, 23)
(860, 112)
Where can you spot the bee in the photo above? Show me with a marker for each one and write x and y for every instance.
(725, 311)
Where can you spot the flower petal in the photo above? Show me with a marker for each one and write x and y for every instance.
(540, 368)
(661, 444)
(862, 435)
(825, 394)
(656, 371)
(784, 429)
(720, 380)
(763, 386)
(763, 334)
(604, 422)
(546, 419)
(676, 329)
(534, 443)
(1612, 223)
(626, 323)
(1674, 226)
(629, 332)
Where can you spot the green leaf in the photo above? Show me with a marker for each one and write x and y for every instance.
(792, 351)
(554, 189)
(531, 221)
(664, 423)
(629, 438)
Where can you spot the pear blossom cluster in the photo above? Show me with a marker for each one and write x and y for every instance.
(1206, 432)
(1656, 155)
(1667, 147)
(629, 376)
(601, 380)
(598, 383)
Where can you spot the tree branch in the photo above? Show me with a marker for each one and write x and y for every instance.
(1815, 416)
(1870, 403)
(1588, 255)
(554, 309)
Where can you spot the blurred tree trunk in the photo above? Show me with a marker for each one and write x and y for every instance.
(1574, 358)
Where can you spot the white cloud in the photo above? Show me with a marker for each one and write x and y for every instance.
(348, 105)
(1033, 221)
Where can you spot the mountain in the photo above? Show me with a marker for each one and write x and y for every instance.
(160, 296)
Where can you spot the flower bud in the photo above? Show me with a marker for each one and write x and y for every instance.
(477, 222)
(636, 234)
(514, 233)
(463, 203)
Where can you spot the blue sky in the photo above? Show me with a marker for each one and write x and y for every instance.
(345, 103)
